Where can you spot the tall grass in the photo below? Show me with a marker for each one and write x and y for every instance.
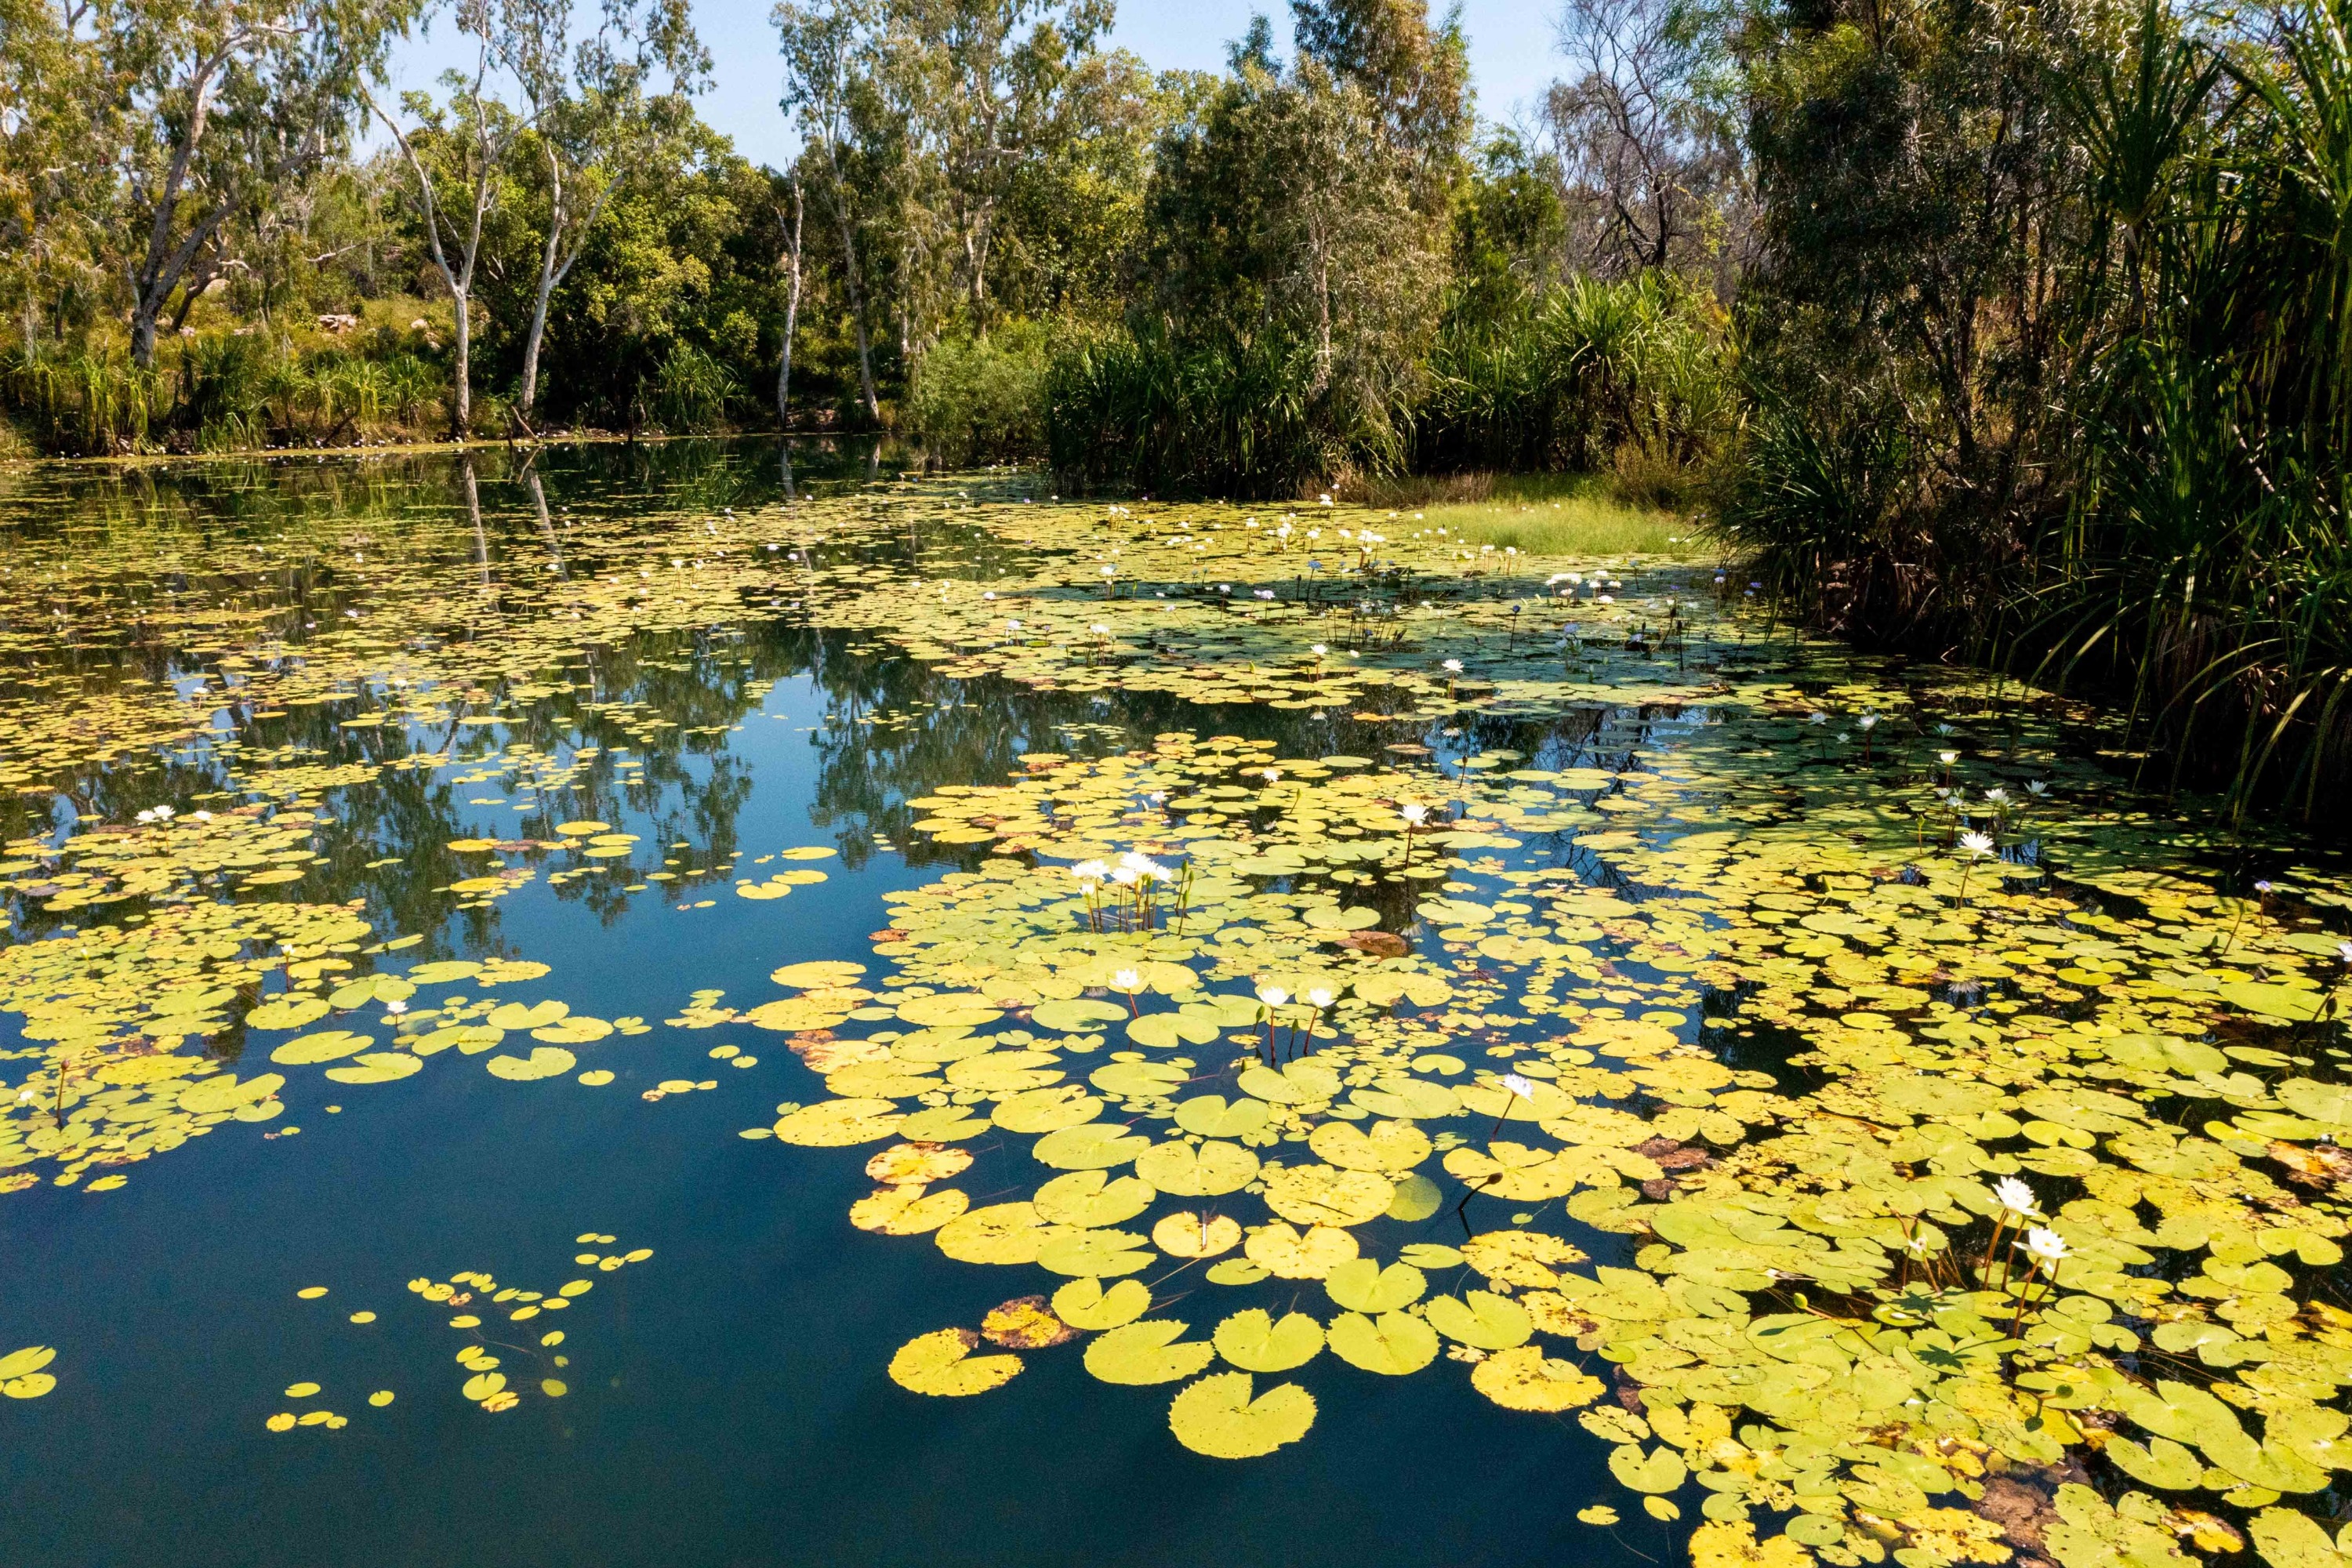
(216, 392)
(690, 391)
(1543, 514)
(1140, 412)
(1630, 376)
(2205, 562)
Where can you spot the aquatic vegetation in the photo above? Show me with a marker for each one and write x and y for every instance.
(1812, 1077)
(473, 1294)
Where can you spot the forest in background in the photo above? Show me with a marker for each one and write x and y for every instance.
(2003, 331)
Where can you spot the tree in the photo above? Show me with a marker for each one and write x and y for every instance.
(458, 155)
(790, 262)
(208, 105)
(1650, 161)
(987, 89)
(819, 47)
(593, 119)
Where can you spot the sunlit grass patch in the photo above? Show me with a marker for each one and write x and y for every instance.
(1549, 514)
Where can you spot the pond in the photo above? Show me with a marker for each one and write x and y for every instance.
(692, 1003)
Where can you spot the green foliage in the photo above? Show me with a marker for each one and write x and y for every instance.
(1138, 411)
(1589, 370)
(2072, 382)
(982, 399)
(690, 391)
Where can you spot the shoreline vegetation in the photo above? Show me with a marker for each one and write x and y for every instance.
(1992, 336)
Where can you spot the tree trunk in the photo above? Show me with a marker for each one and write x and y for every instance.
(462, 393)
(856, 294)
(546, 285)
(792, 322)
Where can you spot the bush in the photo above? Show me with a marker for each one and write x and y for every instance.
(1140, 412)
(972, 400)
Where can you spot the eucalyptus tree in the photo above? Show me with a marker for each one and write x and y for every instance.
(457, 153)
(827, 50)
(598, 109)
(204, 107)
(990, 88)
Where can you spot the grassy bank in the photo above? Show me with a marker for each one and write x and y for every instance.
(1545, 514)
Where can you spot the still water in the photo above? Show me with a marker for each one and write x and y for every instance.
(559, 727)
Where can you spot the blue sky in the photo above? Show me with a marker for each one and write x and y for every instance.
(1511, 54)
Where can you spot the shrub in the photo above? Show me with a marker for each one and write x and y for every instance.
(972, 400)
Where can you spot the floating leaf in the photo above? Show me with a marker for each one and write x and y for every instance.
(1024, 1324)
(1524, 1378)
(1207, 1170)
(1147, 1351)
(1393, 1344)
(1256, 1342)
(1216, 1416)
(1188, 1234)
(544, 1061)
(1085, 1304)
(1361, 1285)
(941, 1363)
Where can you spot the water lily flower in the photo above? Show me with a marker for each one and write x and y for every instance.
(1098, 628)
(1977, 844)
(2015, 1197)
(1320, 998)
(1947, 758)
(1453, 667)
(1868, 721)
(2036, 788)
(1272, 776)
(1127, 980)
(1318, 650)
(395, 1008)
(1997, 796)
(1414, 814)
(1519, 1086)
(990, 595)
(1125, 877)
(2344, 951)
(1011, 624)
(2044, 1245)
(1817, 717)
(1273, 996)
(202, 816)
(1090, 872)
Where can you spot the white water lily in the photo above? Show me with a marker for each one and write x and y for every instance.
(1273, 996)
(1090, 872)
(1947, 758)
(1413, 813)
(1318, 650)
(2044, 1245)
(1519, 1085)
(2015, 1196)
(1977, 843)
(1127, 980)
(1453, 667)
(1320, 998)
